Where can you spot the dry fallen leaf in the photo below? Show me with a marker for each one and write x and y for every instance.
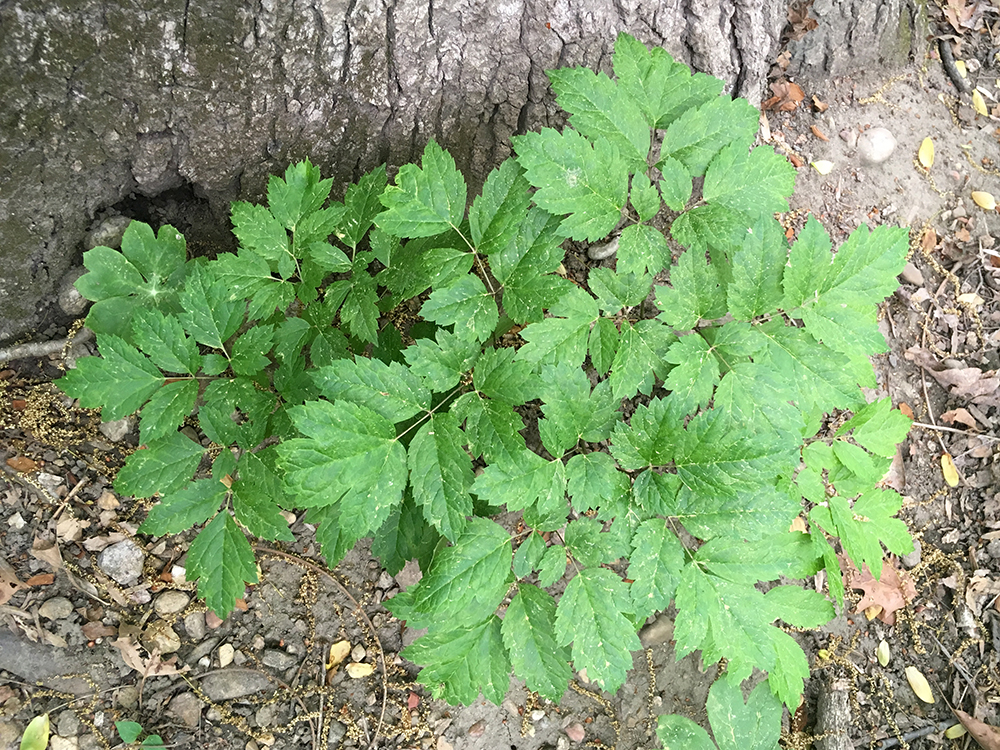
(818, 133)
(959, 415)
(949, 470)
(926, 153)
(822, 166)
(10, 584)
(891, 592)
(984, 200)
(338, 652)
(22, 463)
(154, 666)
(987, 736)
(819, 106)
(979, 104)
(918, 683)
(969, 382)
(905, 408)
(357, 670)
(978, 590)
(955, 731)
(47, 552)
(786, 96)
(971, 298)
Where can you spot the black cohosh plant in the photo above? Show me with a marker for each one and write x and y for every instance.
(359, 359)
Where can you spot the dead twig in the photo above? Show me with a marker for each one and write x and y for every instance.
(43, 348)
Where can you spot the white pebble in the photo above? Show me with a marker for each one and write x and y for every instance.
(876, 145)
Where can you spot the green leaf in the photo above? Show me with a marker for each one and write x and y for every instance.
(334, 541)
(878, 427)
(642, 357)
(465, 583)
(753, 726)
(128, 731)
(527, 480)
(250, 351)
(808, 264)
(496, 215)
(586, 542)
(162, 338)
(260, 232)
(644, 197)
(694, 293)
(757, 270)
(563, 337)
(390, 390)
(573, 411)
(590, 616)
(405, 536)
(594, 482)
(588, 181)
(179, 511)
(529, 635)
(362, 206)
(641, 247)
(425, 200)
(299, 194)
(675, 183)
(120, 380)
(360, 310)
(663, 88)
(442, 362)
(221, 559)
(617, 290)
(167, 409)
(163, 466)
(441, 474)
(655, 567)
(110, 275)
(799, 607)
(602, 345)
(650, 437)
(755, 182)
(680, 733)
(791, 667)
(350, 454)
(759, 399)
(498, 375)
(863, 527)
(692, 381)
(525, 267)
(599, 108)
(36, 734)
(209, 315)
(463, 662)
(696, 136)
(491, 427)
(256, 497)
(553, 565)
(467, 305)
(529, 555)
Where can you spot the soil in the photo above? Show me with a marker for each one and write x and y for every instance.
(262, 679)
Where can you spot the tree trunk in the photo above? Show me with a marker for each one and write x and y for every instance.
(166, 110)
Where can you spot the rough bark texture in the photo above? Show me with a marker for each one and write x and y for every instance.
(166, 110)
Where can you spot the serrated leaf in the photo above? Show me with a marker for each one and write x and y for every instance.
(863, 527)
(791, 668)
(697, 135)
(525, 267)
(602, 345)
(586, 542)
(360, 308)
(590, 616)
(655, 567)
(680, 733)
(562, 337)
(390, 390)
(209, 315)
(179, 511)
(645, 198)
(755, 725)
(768, 558)
(362, 205)
(425, 200)
(110, 275)
(552, 566)
(594, 482)
(163, 339)
(755, 182)
(163, 466)
(250, 351)
(120, 380)
(529, 555)
(527, 481)
(405, 536)
(573, 411)
(696, 373)
(808, 264)
(350, 456)
(642, 357)
(617, 290)
(663, 88)
(491, 427)
(868, 469)
(496, 214)
(529, 634)
(442, 362)
(588, 181)
(465, 583)
(675, 183)
(467, 305)
(642, 248)
(334, 541)
(799, 607)
(167, 409)
(599, 108)
(878, 427)
(300, 193)
(260, 232)
(441, 474)
(463, 662)
(499, 376)
(757, 270)
(221, 559)
(651, 436)
(256, 497)
(694, 292)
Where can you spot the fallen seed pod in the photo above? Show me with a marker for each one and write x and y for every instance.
(882, 653)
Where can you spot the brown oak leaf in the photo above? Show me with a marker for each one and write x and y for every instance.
(891, 592)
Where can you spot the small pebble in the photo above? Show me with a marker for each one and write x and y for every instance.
(876, 145)
(603, 250)
(912, 275)
(443, 744)
(194, 625)
(170, 602)
(122, 561)
(212, 620)
(912, 559)
(159, 636)
(478, 729)
(537, 715)
(575, 732)
(186, 707)
(659, 631)
(56, 608)
(117, 430)
(386, 581)
(226, 654)
(63, 743)
(358, 653)
(108, 501)
(277, 659)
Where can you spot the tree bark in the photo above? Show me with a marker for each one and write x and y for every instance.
(167, 110)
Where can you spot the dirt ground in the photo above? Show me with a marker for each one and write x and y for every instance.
(260, 678)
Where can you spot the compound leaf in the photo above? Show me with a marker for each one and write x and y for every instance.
(641, 357)
(425, 200)
(466, 305)
(441, 362)
(696, 136)
(755, 725)
(301, 192)
(497, 214)
(527, 481)
(120, 380)
(362, 205)
(441, 474)
(250, 351)
(878, 427)
(167, 409)
(642, 248)
(163, 466)
(529, 634)
(162, 338)
(179, 511)
(693, 380)
(209, 314)
(694, 292)
(573, 411)
(491, 427)
(256, 495)
(655, 568)
(391, 390)
(221, 558)
(562, 337)
(754, 182)
(757, 269)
